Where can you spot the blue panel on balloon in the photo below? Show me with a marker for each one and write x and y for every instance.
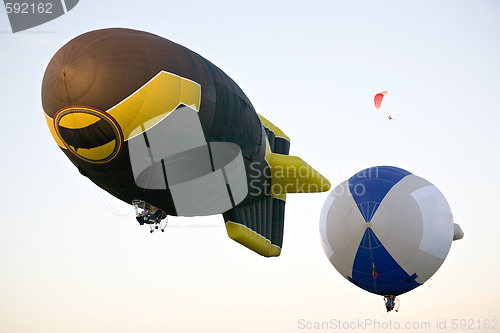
(370, 186)
(375, 270)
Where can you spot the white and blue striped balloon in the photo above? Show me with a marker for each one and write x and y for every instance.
(386, 230)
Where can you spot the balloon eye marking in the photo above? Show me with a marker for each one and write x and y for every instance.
(91, 135)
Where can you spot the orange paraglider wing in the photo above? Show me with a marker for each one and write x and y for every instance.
(378, 99)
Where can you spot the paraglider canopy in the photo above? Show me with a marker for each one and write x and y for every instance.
(378, 98)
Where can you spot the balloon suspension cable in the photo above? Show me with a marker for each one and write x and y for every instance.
(108, 205)
(374, 271)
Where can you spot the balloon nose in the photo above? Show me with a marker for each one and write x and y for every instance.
(70, 75)
(98, 69)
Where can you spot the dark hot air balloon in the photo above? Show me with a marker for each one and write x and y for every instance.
(159, 126)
